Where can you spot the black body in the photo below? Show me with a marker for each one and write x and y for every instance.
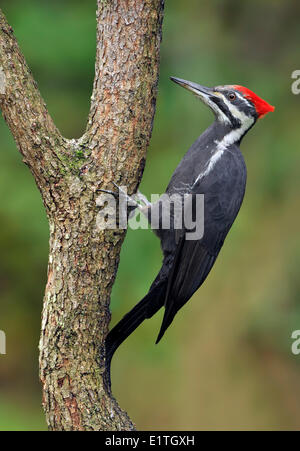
(187, 263)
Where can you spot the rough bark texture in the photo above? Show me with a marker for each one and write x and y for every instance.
(83, 260)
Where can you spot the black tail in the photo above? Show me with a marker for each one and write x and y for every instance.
(146, 308)
(167, 320)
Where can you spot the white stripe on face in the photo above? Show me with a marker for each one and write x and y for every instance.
(205, 99)
(246, 121)
(244, 118)
(236, 134)
(241, 97)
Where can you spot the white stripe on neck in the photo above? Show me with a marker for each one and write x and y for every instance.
(229, 139)
(210, 164)
(235, 135)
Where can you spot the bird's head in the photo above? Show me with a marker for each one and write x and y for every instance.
(233, 105)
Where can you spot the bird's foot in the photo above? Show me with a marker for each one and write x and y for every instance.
(107, 191)
(142, 198)
(137, 200)
(132, 204)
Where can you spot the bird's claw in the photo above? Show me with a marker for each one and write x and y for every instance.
(107, 191)
(130, 200)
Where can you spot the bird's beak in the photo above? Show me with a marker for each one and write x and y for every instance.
(200, 91)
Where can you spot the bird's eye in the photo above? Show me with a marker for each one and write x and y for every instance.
(231, 96)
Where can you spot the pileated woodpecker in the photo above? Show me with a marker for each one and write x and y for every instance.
(213, 166)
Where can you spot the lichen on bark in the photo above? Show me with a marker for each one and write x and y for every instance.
(83, 260)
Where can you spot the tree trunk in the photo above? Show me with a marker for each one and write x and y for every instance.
(83, 260)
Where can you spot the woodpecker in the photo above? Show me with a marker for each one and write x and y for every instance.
(213, 166)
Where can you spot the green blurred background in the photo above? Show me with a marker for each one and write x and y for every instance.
(226, 362)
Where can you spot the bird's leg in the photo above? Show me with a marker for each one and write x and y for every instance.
(129, 199)
(137, 200)
(136, 197)
(142, 198)
(107, 191)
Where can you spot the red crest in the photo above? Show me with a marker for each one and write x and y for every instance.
(262, 107)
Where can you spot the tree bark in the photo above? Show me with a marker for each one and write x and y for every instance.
(83, 261)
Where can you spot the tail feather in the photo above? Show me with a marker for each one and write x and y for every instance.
(167, 320)
(146, 308)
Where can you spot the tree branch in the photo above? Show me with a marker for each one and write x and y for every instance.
(24, 109)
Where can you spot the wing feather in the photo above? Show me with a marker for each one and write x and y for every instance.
(194, 259)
